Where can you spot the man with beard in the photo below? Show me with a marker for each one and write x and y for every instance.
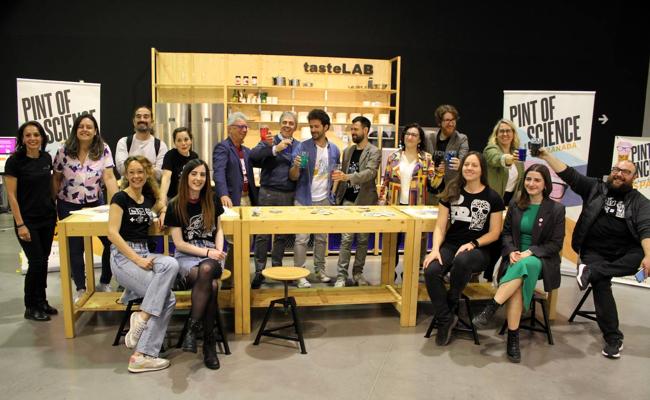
(273, 156)
(141, 143)
(612, 236)
(356, 187)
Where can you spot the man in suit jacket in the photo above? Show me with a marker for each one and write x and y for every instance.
(356, 186)
(233, 173)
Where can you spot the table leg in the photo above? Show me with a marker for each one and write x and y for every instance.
(388, 255)
(411, 264)
(243, 326)
(66, 287)
(89, 267)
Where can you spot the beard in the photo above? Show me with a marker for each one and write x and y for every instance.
(624, 187)
(357, 139)
(143, 128)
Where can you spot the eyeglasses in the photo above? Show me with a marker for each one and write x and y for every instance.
(411, 133)
(558, 191)
(242, 127)
(505, 130)
(624, 172)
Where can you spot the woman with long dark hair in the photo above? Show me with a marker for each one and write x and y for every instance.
(143, 275)
(469, 220)
(28, 178)
(193, 217)
(80, 166)
(533, 234)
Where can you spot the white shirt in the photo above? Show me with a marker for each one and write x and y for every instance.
(406, 175)
(513, 174)
(144, 148)
(321, 174)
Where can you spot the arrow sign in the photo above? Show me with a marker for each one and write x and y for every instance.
(603, 119)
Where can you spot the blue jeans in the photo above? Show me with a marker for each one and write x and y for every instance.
(154, 286)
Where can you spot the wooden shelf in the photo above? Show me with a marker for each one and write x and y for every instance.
(187, 86)
(329, 296)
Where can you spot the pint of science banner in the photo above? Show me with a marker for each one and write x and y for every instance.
(56, 104)
(562, 120)
(637, 150)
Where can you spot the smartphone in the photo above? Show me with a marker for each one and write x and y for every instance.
(640, 276)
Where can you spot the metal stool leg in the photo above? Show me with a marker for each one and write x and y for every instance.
(547, 324)
(222, 332)
(296, 321)
(125, 318)
(470, 315)
(577, 311)
(269, 310)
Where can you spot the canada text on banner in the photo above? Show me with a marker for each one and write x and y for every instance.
(56, 104)
(562, 120)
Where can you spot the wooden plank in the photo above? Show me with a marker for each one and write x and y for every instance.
(327, 296)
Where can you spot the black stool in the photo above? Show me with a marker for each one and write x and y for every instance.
(283, 274)
(544, 327)
(579, 312)
(462, 326)
(121, 331)
(221, 337)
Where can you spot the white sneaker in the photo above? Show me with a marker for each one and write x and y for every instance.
(360, 280)
(103, 287)
(320, 275)
(78, 295)
(340, 282)
(144, 363)
(303, 283)
(136, 327)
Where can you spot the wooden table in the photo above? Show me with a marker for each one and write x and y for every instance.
(338, 219)
(87, 226)
(425, 221)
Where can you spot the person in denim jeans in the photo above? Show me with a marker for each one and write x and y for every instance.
(144, 275)
(193, 218)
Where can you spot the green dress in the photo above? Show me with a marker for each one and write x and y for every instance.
(529, 268)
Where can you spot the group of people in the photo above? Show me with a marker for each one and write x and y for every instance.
(471, 190)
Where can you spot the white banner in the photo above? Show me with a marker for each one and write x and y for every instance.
(635, 149)
(562, 120)
(56, 104)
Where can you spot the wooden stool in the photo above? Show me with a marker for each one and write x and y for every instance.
(284, 274)
(221, 338)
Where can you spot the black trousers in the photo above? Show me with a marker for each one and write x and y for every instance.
(602, 268)
(37, 252)
(460, 268)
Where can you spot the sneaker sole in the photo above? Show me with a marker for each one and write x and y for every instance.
(138, 370)
(581, 269)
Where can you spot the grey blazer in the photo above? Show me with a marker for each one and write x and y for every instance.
(457, 142)
(368, 166)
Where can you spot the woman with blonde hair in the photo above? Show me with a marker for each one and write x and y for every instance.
(504, 170)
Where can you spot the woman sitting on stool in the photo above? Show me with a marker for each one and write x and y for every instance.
(144, 275)
(193, 216)
(469, 219)
(533, 234)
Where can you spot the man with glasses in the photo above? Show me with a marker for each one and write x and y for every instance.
(234, 182)
(273, 155)
(612, 236)
(447, 146)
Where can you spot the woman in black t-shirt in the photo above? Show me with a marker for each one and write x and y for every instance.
(174, 161)
(28, 178)
(193, 217)
(144, 275)
(469, 219)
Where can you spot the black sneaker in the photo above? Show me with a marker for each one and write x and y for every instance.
(444, 330)
(613, 349)
(257, 281)
(583, 276)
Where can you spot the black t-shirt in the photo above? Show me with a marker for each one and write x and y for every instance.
(195, 228)
(610, 233)
(175, 161)
(33, 187)
(470, 215)
(352, 191)
(136, 218)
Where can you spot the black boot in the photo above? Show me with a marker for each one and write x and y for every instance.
(189, 342)
(512, 348)
(481, 321)
(210, 358)
(36, 314)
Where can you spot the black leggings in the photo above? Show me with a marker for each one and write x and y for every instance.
(205, 285)
(460, 268)
(37, 252)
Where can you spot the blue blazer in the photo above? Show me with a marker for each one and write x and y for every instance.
(228, 176)
(303, 186)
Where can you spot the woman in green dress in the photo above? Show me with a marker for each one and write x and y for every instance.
(533, 234)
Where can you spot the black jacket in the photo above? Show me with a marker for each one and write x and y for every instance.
(594, 192)
(547, 240)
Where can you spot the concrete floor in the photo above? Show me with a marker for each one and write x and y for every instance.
(356, 352)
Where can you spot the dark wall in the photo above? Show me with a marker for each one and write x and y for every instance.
(459, 54)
